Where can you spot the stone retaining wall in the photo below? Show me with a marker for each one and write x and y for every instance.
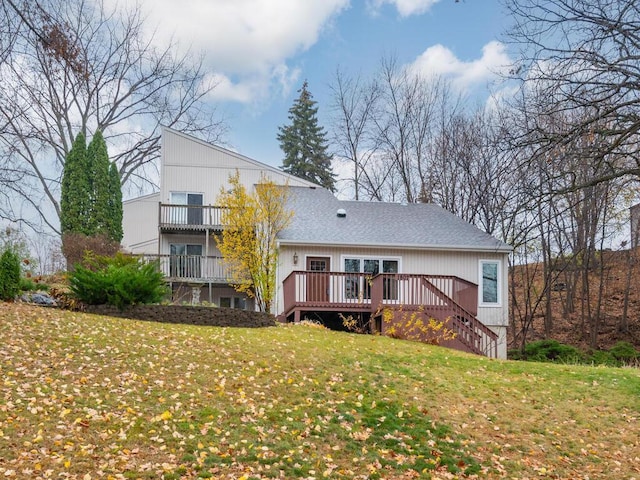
(188, 315)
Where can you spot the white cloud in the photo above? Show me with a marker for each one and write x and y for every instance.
(406, 8)
(439, 60)
(247, 43)
(250, 89)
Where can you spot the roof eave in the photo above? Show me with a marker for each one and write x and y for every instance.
(503, 248)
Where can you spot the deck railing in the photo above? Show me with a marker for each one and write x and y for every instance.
(194, 268)
(445, 297)
(415, 289)
(316, 289)
(326, 289)
(190, 216)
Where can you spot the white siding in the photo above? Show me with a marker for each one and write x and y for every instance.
(191, 240)
(140, 224)
(191, 165)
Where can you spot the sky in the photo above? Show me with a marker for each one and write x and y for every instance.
(259, 52)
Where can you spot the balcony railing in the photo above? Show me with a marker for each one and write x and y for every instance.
(190, 217)
(191, 268)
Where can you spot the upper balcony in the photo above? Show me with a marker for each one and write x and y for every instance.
(191, 268)
(189, 218)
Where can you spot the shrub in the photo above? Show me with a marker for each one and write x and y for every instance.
(602, 357)
(77, 247)
(552, 351)
(9, 275)
(515, 354)
(624, 352)
(120, 281)
(31, 285)
(411, 326)
(356, 324)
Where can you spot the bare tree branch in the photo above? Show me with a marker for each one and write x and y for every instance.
(76, 67)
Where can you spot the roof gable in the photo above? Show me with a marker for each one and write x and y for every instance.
(182, 150)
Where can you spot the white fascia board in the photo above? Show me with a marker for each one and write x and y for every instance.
(502, 249)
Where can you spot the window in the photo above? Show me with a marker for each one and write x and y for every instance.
(370, 267)
(233, 302)
(191, 214)
(318, 265)
(390, 285)
(186, 260)
(490, 282)
(352, 282)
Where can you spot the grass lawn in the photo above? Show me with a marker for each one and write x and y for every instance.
(88, 397)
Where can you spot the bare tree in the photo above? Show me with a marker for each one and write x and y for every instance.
(399, 96)
(474, 174)
(75, 66)
(582, 56)
(353, 109)
(411, 110)
(572, 225)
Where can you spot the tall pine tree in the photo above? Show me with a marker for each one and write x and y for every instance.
(303, 143)
(98, 160)
(75, 194)
(114, 226)
(91, 197)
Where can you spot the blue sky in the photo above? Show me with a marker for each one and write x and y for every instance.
(260, 51)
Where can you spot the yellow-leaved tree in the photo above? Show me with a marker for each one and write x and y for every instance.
(248, 243)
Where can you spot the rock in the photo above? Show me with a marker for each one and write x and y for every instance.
(39, 298)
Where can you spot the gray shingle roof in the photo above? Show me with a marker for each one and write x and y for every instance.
(315, 221)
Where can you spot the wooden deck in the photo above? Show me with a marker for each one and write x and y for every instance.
(446, 298)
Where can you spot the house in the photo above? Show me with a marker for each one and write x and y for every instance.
(379, 262)
(176, 225)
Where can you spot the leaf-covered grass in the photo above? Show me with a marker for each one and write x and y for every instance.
(87, 397)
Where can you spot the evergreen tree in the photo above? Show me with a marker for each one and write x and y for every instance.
(91, 197)
(9, 274)
(98, 160)
(115, 204)
(303, 143)
(75, 195)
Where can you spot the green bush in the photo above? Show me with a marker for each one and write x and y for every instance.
(602, 357)
(515, 354)
(552, 351)
(624, 352)
(9, 275)
(120, 281)
(28, 285)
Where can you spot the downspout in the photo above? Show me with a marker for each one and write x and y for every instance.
(275, 307)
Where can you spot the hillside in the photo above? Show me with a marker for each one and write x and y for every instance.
(568, 327)
(87, 396)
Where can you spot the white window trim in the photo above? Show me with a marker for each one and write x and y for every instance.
(481, 303)
(370, 257)
(362, 258)
(188, 244)
(184, 192)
